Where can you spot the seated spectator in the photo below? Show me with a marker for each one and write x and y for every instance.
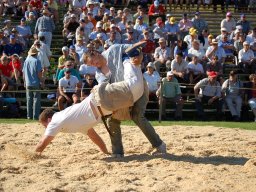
(98, 30)
(69, 65)
(75, 56)
(253, 48)
(152, 78)
(129, 38)
(139, 25)
(159, 30)
(214, 49)
(231, 90)
(223, 33)
(5, 74)
(31, 22)
(235, 34)
(246, 26)
(63, 58)
(7, 27)
(197, 51)
(12, 47)
(127, 14)
(37, 5)
(172, 30)
(122, 24)
(99, 15)
(88, 83)
(98, 45)
(228, 23)
(80, 46)
(52, 6)
(185, 24)
(71, 26)
(113, 28)
(148, 49)
(181, 47)
(251, 37)
(9, 8)
(162, 56)
(179, 67)
(191, 37)
(208, 91)
(198, 23)
(68, 87)
(130, 32)
(251, 94)
(247, 61)
(196, 71)
(118, 16)
(238, 44)
(203, 39)
(112, 39)
(216, 66)
(227, 46)
(169, 91)
(156, 10)
(141, 12)
(112, 12)
(3, 41)
(19, 39)
(24, 31)
(15, 64)
(80, 32)
(91, 19)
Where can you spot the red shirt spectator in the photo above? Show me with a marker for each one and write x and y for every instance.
(15, 64)
(6, 69)
(156, 9)
(36, 4)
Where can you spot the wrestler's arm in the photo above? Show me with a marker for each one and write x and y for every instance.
(97, 140)
(43, 143)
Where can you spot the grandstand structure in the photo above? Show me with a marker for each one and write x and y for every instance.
(213, 19)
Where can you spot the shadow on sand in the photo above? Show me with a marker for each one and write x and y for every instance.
(214, 160)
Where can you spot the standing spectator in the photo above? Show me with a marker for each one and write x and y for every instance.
(44, 27)
(210, 93)
(198, 23)
(24, 31)
(185, 24)
(231, 89)
(152, 78)
(247, 62)
(68, 87)
(162, 56)
(246, 26)
(32, 75)
(170, 92)
(228, 23)
(251, 94)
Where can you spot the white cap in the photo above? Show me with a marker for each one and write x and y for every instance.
(65, 48)
(99, 24)
(239, 27)
(169, 73)
(112, 25)
(99, 35)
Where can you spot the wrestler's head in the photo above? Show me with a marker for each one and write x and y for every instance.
(46, 116)
(94, 58)
(135, 53)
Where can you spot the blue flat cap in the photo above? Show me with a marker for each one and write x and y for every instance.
(136, 49)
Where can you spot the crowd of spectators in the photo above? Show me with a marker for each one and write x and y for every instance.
(183, 52)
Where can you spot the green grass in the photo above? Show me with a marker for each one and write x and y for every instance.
(240, 125)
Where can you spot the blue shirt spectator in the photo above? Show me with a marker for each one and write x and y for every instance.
(12, 47)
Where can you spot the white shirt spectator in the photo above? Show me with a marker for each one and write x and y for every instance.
(162, 53)
(152, 80)
(179, 67)
(196, 68)
(79, 3)
(229, 25)
(80, 49)
(199, 53)
(250, 38)
(69, 85)
(245, 55)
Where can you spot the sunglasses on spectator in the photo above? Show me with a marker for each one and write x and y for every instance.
(69, 65)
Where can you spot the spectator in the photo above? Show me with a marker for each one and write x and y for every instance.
(196, 71)
(185, 24)
(223, 33)
(122, 24)
(99, 15)
(253, 48)
(12, 47)
(118, 17)
(9, 8)
(228, 23)
(170, 92)
(68, 87)
(246, 26)
(141, 12)
(191, 37)
(3, 41)
(203, 39)
(195, 50)
(235, 34)
(71, 26)
(214, 49)
(179, 67)
(88, 83)
(112, 39)
(210, 93)
(19, 39)
(5, 74)
(227, 46)
(24, 31)
(44, 27)
(247, 62)
(112, 12)
(127, 14)
(98, 45)
(37, 5)
(216, 66)
(231, 89)
(238, 44)
(98, 30)
(74, 56)
(156, 9)
(7, 27)
(129, 37)
(53, 8)
(148, 49)
(251, 37)
(159, 30)
(251, 94)
(140, 26)
(162, 56)
(181, 47)
(69, 65)
(31, 22)
(152, 78)
(32, 75)
(80, 32)
(198, 23)
(113, 28)
(80, 46)
(172, 30)
(78, 5)
(63, 58)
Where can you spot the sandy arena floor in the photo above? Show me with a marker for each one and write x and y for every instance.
(205, 159)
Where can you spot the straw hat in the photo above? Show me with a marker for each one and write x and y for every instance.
(32, 51)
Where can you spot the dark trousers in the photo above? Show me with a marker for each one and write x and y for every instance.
(204, 100)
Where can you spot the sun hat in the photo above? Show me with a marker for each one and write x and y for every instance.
(32, 51)
(212, 74)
